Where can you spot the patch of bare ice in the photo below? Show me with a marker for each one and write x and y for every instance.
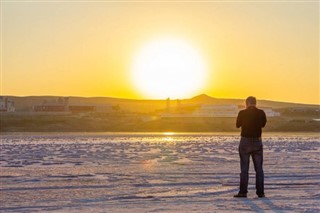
(153, 173)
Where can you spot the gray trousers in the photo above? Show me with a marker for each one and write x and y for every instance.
(251, 147)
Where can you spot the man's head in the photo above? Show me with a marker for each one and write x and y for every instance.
(251, 101)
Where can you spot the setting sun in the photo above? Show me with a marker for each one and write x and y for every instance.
(168, 67)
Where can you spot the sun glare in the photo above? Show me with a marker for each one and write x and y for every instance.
(168, 67)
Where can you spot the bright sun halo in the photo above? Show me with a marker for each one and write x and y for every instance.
(168, 67)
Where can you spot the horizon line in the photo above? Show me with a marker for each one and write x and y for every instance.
(159, 99)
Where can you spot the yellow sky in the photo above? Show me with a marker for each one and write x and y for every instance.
(71, 48)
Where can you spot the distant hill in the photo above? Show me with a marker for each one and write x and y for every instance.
(26, 103)
(144, 116)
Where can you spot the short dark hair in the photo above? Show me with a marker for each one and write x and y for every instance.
(251, 100)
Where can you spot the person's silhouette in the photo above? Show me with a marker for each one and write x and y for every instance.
(251, 120)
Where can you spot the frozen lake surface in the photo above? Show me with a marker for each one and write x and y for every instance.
(154, 173)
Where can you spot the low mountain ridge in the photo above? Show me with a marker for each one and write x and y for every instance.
(147, 105)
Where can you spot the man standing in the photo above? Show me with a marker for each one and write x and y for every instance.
(251, 120)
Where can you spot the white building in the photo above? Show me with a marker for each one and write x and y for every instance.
(216, 111)
(6, 105)
(270, 113)
(222, 111)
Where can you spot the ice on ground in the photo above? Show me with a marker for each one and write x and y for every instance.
(153, 173)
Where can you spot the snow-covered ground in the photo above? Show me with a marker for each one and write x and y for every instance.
(154, 173)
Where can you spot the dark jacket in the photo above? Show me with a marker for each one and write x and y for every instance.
(251, 121)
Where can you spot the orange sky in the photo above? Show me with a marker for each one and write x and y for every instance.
(269, 50)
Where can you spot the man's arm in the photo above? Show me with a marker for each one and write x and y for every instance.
(239, 120)
(263, 119)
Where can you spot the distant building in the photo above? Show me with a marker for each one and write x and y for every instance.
(270, 113)
(59, 105)
(6, 105)
(49, 108)
(82, 108)
(216, 111)
(206, 110)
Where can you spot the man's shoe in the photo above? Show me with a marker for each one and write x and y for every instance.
(261, 195)
(240, 195)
